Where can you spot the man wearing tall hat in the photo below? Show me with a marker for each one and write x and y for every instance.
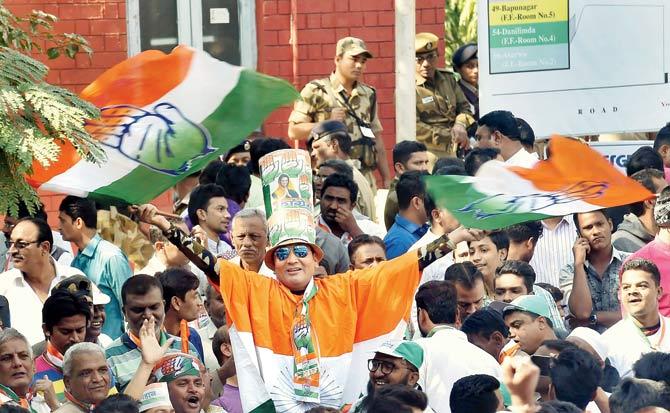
(301, 338)
(442, 110)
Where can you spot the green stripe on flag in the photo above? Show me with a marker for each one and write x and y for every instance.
(267, 407)
(474, 209)
(246, 106)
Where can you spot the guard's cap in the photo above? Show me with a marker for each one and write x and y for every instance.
(408, 350)
(326, 128)
(463, 54)
(425, 42)
(352, 45)
(244, 146)
(530, 304)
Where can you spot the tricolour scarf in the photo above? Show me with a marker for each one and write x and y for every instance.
(306, 372)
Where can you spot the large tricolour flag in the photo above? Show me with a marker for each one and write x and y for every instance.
(162, 117)
(574, 179)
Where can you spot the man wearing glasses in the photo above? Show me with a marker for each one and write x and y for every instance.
(35, 273)
(308, 336)
(395, 362)
(442, 110)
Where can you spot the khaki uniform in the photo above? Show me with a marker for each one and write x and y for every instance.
(319, 97)
(440, 103)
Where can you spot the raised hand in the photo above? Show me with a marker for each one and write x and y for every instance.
(152, 351)
(466, 234)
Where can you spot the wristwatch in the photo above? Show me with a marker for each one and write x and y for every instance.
(593, 318)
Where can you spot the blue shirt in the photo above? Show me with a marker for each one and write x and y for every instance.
(402, 235)
(106, 265)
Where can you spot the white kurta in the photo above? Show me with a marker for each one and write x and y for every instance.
(627, 344)
(449, 356)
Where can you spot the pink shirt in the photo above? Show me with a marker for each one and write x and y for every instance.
(658, 252)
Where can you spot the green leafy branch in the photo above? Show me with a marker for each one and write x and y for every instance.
(35, 117)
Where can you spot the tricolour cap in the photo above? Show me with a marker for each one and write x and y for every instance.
(530, 304)
(408, 350)
(352, 45)
(155, 395)
(176, 365)
(425, 42)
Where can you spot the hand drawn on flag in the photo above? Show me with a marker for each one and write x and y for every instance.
(499, 204)
(161, 138)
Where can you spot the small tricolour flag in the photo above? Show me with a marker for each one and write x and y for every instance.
(162, 117)
(574, 179)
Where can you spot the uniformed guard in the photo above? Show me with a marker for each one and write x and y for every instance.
(442, 110)
(343, 97)
(466, 63)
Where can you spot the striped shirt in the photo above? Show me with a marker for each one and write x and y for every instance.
(554, 251)
(124, 357)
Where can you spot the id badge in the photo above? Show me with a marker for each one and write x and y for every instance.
(427, 99)
(367, 132)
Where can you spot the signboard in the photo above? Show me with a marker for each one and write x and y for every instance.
(576, 67)
(618, 152)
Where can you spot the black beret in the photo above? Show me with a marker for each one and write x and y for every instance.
(463, 54)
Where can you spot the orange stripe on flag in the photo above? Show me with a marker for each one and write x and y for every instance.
(573, 161)
(140, 80)
(66, 159)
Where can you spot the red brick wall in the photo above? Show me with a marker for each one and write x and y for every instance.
(319, 25)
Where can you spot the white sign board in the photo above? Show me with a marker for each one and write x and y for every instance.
(617, 153)
(576, 67)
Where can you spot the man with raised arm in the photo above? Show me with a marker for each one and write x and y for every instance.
(297, 333)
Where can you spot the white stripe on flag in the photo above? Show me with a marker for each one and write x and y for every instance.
(202, 91)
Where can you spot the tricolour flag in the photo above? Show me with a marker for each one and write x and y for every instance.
(162, 117)
(574, 179)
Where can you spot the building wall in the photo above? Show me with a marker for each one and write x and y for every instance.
(318, 26)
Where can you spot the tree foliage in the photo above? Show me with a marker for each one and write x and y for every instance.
(460, 25)
(35, 117)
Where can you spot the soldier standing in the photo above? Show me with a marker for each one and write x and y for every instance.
(344, 98)
(442, 110)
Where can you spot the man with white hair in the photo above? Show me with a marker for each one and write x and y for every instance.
(249, 235)
(86, 377)
(17, 369)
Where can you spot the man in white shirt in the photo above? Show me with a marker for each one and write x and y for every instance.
(448, 355)
(643, 329)
(500, 127)
(338, 200)
(61, 250)
(249, 235)
(35, 273)
(208, 208)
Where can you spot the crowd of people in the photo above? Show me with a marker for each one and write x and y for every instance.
(400, 311)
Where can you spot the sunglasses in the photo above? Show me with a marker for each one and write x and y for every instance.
(300, 251)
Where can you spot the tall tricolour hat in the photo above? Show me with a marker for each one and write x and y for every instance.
(287, 188)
